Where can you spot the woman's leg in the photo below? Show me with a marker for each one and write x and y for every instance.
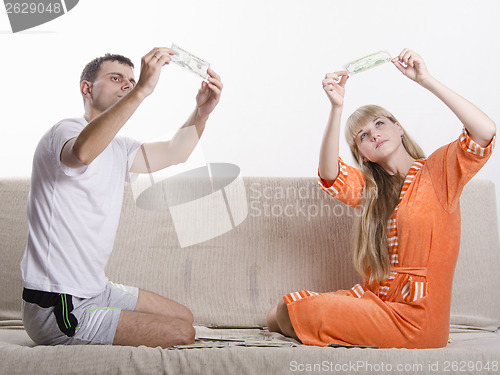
(278, 320)
(272, 323)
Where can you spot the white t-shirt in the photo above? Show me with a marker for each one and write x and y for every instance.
(73, 213)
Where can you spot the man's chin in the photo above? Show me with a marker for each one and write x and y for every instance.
(116, 100)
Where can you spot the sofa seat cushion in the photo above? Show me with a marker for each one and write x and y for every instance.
(477, 349)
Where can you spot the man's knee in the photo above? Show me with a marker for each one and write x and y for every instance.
(176, 332)
(183, 313)
(188, 316)
(187, 334)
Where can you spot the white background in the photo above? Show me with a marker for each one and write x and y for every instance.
(272, 57)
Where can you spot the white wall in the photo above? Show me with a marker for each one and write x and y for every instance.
(272, 56)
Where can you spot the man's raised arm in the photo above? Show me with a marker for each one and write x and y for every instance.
(160, 155)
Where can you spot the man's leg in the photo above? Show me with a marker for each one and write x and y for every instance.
(155, 321)
(151, 303)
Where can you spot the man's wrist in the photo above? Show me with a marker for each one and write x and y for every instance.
(139, 92)
(199, 117)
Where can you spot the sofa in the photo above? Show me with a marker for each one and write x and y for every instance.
(293, 237)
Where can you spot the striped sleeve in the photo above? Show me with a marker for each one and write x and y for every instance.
(357, 291)
(452, 166)
(347, 187)
(295, 296)
(472, 147)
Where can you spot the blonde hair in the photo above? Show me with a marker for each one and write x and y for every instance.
(380, 198)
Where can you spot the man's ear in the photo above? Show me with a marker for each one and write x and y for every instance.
(86, 89)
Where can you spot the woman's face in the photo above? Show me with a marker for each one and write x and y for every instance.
(378, 139)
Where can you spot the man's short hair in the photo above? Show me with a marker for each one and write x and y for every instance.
(92, 68)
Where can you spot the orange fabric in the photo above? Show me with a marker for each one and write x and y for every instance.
(411, 309)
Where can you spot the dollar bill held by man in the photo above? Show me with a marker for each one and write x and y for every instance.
(190, 62)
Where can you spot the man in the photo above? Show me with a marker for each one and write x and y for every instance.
(74, 205)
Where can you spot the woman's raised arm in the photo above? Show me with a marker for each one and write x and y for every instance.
(334, 86)
(479, 126)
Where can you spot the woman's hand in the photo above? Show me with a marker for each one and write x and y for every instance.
(413, 66)
(334, 86)
(209, 94)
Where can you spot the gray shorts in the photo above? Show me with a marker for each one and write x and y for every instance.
(55, 319)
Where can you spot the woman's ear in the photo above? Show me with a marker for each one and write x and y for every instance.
(401, 130)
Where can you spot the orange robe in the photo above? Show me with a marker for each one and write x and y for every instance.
(410, 309)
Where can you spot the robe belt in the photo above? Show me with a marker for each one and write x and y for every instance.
(415, 271)
(393, 287)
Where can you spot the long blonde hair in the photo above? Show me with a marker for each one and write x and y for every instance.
(380, 198)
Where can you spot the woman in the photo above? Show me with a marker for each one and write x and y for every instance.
(408, 236)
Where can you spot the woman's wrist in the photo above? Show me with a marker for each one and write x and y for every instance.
(336, 108)
(428, 82)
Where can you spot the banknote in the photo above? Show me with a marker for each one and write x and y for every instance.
(223, 344)
(202, 344)
(229, 338)
(274, 344)
(190, 62)
(368, 62)
(335, 345)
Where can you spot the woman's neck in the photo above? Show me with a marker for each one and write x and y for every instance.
(400, 163)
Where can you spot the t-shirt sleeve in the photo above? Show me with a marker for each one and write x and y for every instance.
(347, 187)
(132, 146)
(453, 165)
(60, 134)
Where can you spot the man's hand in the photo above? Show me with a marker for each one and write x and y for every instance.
(151, 65)
(209, 94)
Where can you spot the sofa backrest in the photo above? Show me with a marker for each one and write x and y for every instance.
(295, 237)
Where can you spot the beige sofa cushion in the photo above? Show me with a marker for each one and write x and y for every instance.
(475, 299)
(235, 278)
(295, 237)
(13, 235)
